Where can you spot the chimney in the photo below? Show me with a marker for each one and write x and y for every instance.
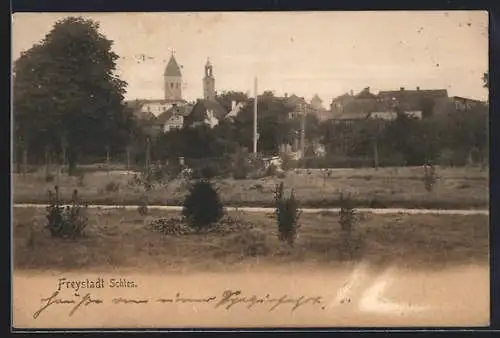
(286, 94)
(418, 88)
(402, 88)
(233, 105)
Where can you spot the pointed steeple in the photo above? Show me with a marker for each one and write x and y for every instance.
(172, 68)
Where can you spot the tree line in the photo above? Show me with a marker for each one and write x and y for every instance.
(69, 108)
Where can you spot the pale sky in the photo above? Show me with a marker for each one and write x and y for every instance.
(328, 53)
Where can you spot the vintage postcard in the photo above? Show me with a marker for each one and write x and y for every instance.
(250, 170)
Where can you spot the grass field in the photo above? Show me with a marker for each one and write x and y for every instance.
(121, 239)
(403, 187)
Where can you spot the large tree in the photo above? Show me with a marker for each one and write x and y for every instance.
(486, 80)
(66, 93)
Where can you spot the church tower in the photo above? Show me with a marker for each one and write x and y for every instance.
(172, 80)
(209, 83)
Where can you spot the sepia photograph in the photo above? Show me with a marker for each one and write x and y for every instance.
(250, 170)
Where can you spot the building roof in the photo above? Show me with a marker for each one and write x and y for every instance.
(410, 99)
(198, 113)
(353, 115)
(172, 68)
(365, 95)
(183, 110)
(465, 99)
(432, 93)
(316, 98)
(342, 97)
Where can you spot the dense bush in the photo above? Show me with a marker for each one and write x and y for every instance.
(347, 220)
(287, 215)
(347, 213)
(429, 178)
(112, 186)
(288, 162)
(69, 221)
(202, 206)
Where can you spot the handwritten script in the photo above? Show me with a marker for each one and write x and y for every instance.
(228, 300)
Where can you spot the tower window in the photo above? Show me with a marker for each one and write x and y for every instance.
(171, 85)
(177, 85)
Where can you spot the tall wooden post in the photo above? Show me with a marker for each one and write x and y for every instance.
(128, 157)
(255, 135)
(107, 160)
(64, 147)
(375, 145)
(148, 155)
(25, 159)
(47, 161)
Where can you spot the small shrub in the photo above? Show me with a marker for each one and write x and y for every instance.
(429, 178)
(170, 227)
(143, 209)
(272, 170)
(288, 162)
(347, 213)
(69, 221)
(80, 179)
(202, 206)
(112, 187)
(287, 215)
(347, 220)
(240, 165)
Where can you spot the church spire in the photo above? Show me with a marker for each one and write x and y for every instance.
(172, 79)
(209, 82)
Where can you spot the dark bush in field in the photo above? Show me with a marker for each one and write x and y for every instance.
(287, 215)
(202, 206)
(69, 221)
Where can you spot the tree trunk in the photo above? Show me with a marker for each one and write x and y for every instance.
(19, 159)
(64, 157)
(25, 160)
(107, 160)
(128, 157)
(148, 155)
(47, 161)
(72, 161)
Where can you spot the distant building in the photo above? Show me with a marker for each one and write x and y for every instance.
(209, 82)
(419, 103)
(174, 117)
(207, 110)
(172, 86)
(337, 105)
(297, 105)
(316, 103)
(464, 104)
(386, 104)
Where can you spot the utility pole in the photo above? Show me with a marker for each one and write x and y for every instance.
(255, 119)
(303, 130)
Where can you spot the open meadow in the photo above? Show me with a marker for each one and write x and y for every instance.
(403, 187)
(124, 239)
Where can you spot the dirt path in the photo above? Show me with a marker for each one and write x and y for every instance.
(304, 210)
(350, 296)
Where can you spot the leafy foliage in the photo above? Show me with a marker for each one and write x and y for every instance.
(202, 206)
(67, 95)
(287, 215)
(430, 177)
(347, 213)
(69, 221)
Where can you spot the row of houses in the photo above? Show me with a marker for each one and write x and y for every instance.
(172, 111)
(419, 103)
